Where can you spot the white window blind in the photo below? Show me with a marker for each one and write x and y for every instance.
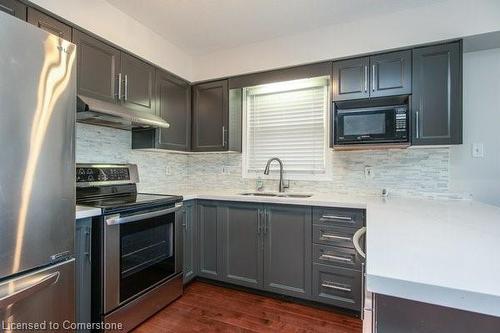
(287, 120)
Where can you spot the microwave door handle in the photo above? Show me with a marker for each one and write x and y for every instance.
(116, 219)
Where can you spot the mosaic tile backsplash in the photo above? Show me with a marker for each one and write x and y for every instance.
(410, 172)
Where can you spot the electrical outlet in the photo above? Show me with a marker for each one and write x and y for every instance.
(168, 171)
(369, 173)
(477, 150)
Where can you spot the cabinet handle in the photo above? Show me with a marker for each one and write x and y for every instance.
(223, 136)
(417, 121)
(336, 237)
(119, 95)
(259, 221)
(373, 77)
(266, 222)
(125, 95)
(366, 78)
(336, 217)
(88, 245)
(331, 285)
(330, 257)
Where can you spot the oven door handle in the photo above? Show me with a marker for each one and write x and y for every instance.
(116, 219)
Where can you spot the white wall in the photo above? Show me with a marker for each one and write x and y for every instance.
(479, 176)
(446, 19)
(99, 17)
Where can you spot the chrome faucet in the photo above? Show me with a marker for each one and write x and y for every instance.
(282, 185)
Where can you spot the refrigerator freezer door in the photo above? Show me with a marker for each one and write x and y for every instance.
(42, 296)
(37, 170)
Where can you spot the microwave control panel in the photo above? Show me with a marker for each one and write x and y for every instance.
(401, 119)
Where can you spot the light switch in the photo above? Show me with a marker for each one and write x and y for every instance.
(369, 172)
(477, 150)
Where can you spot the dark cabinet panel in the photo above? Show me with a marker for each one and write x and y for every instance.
(242, 244)
(83, 274)
(138, 84)
(98, 68)
(49, 24)
(173, 105)
(437, 95)
(14, 8)
(210, 116)
(287, 250)
(209, 240)
(390, 74)
(189, 241)
(337, 286)
(350, 79)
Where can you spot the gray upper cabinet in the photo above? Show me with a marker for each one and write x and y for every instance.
(390, 74)
(380, 75)
(189, 241)
(49, 24)
(210, 116)
(287, 250)
(138, 84)
(437, 95)
(98, 68)
(173, 105)
(350, 79)
(209, 244)
(242, 244)
(14, 8)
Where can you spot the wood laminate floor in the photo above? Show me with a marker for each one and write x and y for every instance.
(208, 308)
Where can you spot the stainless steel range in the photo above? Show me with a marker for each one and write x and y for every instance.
(136, 244)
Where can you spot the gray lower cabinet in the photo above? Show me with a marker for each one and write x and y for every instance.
(98, 68)
(210, 116)
(189, 241)
(49, 24)
(436, 103)
(287, 250)
(209, 240)
(337, 286)
(83, 276)
(242, 244)
(13, 7)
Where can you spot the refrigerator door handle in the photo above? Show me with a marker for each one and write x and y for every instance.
(9, 295)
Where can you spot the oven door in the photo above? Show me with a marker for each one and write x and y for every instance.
(369, 125)
(141, 250)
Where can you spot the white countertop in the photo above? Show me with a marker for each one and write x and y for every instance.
(84, 212)
(443, 252)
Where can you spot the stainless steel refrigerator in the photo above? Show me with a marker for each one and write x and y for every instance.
(37, 177)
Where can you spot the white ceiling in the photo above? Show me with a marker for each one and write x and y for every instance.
(203, 26)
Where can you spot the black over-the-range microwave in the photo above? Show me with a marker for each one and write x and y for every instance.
(378, 124)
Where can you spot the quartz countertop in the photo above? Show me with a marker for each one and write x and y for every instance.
(441, 252)
(84, 212)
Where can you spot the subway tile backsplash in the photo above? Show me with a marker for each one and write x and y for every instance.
(410, 172)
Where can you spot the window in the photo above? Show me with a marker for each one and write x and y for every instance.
(286, 120)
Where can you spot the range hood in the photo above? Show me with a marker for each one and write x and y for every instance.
(96, 112)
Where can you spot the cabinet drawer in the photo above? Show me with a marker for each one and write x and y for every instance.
(337, 286)
(338, 256)
(342, 217)
(336, 236)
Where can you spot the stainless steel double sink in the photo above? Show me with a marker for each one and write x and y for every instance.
(277, 195)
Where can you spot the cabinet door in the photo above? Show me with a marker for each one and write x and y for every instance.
(13, 7)
(83, 277)
(138, 84)
(210, 116)
(173, 105)
(287, 250)
(437, 95)
(390, 74)
(242, 244)
(209, 243)
(189, 267)
(98, 67)
(350, 79)
(49, 24)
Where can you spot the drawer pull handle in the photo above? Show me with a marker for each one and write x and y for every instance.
(326, 218)
(336, 237)
(330, 257)
(331, 285)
